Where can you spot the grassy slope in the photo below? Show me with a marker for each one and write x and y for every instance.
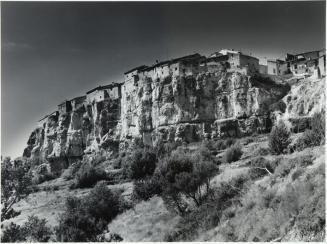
(150, 220)
(49, 204)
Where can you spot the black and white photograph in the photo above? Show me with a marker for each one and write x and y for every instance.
(163, 121)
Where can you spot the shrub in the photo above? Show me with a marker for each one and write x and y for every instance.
(102, 203)
(185, 173)
(162, 149)
(279, 138)
(261, 151)
(146, 189)
(318, 127)
(86, 218)
(143, 164)
(35, 230)
(12, 233)
(315, 136)
(16, 183)
(233, 153)
(260, 167)
(307, 139)
(223, 144)
(42, 173)
(88, 176)
(210, 213)
(285, 166)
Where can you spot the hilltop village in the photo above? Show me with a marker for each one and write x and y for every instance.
(312, 63)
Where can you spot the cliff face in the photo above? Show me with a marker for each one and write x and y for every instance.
(173, 107)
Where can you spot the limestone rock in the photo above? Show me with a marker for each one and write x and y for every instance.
(175, 106)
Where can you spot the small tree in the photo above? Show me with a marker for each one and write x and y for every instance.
(12, 233)
(15, 184)
(143, 164)
(233, 153)
(279, 138)
(84, 219)
(36, 230)
(185, 174)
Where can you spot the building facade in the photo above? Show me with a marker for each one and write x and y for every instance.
(276, 67)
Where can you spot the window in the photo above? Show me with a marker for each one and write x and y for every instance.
(274, 71)
(176, 68)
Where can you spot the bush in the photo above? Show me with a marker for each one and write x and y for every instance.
(210, 213)
(315, 136)
(143, 164)
(223, 144)
(261, 151)
(146, 189)
(307, 139)
(42, 173)
(88, 176)
(162, 149)
(233, 153)
(34, 230)
(279, 138)
(184, 174)
(318, 127)
(12, 233)
(16, 183)
(285, 166)
(260, 167)
(86, 218)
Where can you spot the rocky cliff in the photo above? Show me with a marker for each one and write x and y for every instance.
(174, 107)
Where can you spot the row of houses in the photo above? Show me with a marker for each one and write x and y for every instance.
(298, 64)
(308, 63)
(100, 93)
(192, 65)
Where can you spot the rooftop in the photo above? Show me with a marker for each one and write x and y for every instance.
(110, 86)
(175, 60)
(136, 68)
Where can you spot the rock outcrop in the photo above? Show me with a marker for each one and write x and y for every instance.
(178, 101)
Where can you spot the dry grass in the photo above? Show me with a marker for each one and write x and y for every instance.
(148, 221)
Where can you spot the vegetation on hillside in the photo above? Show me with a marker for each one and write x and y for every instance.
(278, 194)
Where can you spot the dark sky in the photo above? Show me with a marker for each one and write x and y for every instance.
(55, 50)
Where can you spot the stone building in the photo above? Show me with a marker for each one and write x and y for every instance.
(101, 93)
(303, 63)
(263, 69)
(65, 107)
(238, 60)
(77, 102)
(276, 67)
(184, 66)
